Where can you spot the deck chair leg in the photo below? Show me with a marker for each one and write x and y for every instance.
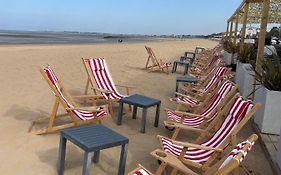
(110, 107)
(161, 169)
(176, 133)
(53, 114)
(87, 86)
(147, 62)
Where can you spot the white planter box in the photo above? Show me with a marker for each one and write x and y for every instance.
(279, 152)
(245, 79)
(227, 58)
(268, 118)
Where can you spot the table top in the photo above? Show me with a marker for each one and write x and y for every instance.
(187, 79)
(94, 137)
(140, 100)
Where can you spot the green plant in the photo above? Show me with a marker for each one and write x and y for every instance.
(229, 46)
(248, 54)
(271, 74)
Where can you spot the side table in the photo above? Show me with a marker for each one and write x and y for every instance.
(92, 139)
(142, 102)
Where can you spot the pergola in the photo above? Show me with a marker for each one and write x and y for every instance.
(256, 12)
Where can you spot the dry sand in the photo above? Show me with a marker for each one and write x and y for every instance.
(25, 96)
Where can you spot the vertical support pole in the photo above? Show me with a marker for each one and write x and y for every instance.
(243, 32)
(264, 20)
(227, 29)
(236, 27)
(231, 28)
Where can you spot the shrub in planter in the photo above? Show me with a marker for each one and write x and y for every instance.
(230, 51)
(268, 92)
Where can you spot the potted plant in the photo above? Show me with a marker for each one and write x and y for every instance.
(230, 50)
(245, 70)
(268, 93)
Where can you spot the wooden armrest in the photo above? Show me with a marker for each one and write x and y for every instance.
(192, 145)
(88, 96)
(130, 87)
(186, 114)
(90, 108)
(103, 91)
(172, 161)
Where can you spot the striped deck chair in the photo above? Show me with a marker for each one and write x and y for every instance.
(201, 88)
(192, 102)
(156, 65)
(194, 121)
(229, 163)
(78, 115)
(207, 148)
(100, 79)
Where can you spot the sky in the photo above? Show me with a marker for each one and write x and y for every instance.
(118, 16)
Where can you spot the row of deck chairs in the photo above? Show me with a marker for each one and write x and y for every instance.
(155, 64)
(99, 80)
(212, 109)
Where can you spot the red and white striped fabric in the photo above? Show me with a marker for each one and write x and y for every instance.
(238, 149)
(102, 77)
(188, 100)
(220, 71)
(141, 171)
(216, 99)
(236, 113)
(83, 115)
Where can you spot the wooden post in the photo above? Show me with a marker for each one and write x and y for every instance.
(236, 27)
(231, 27)
(245, 16)
(264, 20)
(227, 29)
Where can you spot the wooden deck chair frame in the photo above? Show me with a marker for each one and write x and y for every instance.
(204, 125)
(156, 65)
(217, 169)
(205, 134)
(199, 87)
(203, 99)
(75, 121)
(92, 82)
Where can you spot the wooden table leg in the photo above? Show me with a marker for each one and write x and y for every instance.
(156, 121)
(61, 158)
(120, 113)
(87, 162)
(123, 157)
(135, 112)
(143, 120)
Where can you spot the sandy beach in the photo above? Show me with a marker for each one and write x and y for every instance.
(25, 96)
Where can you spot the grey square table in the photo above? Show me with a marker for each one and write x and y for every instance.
(180, 62)
(92, 139)
(185, 80)
(142, 102)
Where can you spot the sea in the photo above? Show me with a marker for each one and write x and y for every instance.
(50, 37)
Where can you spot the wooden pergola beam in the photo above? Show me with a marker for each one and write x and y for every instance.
(227, 29)
(243, 32)
(264, 21)
(236, 28)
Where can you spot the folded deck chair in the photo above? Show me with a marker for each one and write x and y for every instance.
(100, 79)
(200, 120)
(78, 115)
(156, 65)
(229, 163)
(209, 145)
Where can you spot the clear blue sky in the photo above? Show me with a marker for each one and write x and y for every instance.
(118, 16)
